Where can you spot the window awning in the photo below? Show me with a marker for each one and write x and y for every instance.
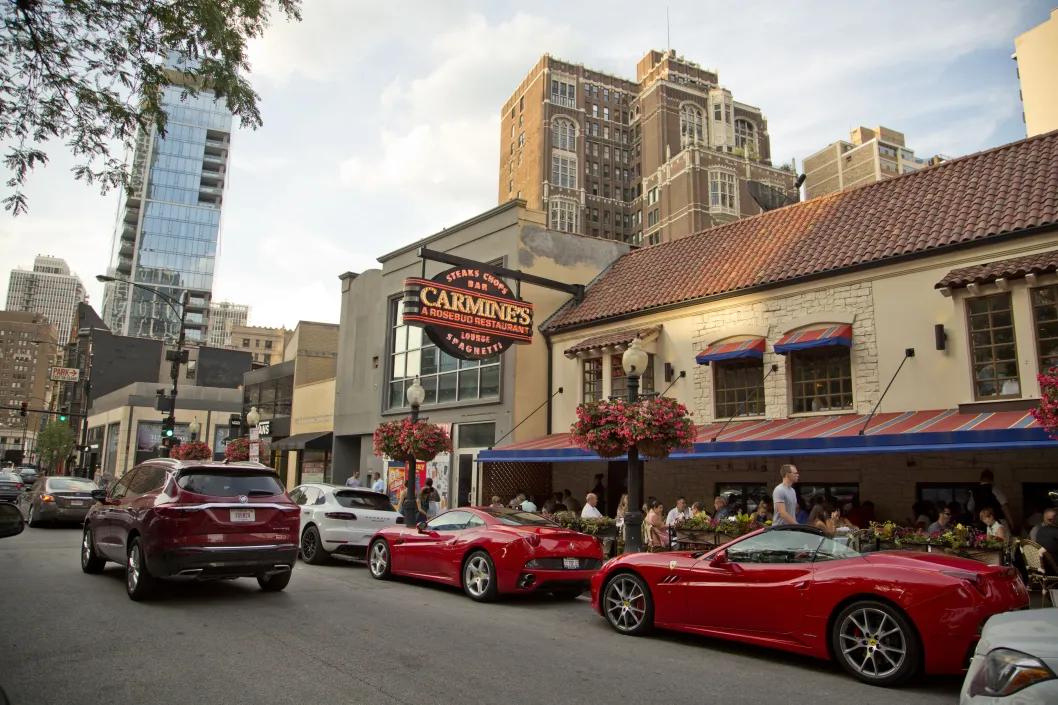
(306, 441)
(614, 341)
(892, 432)
(731, 351)
(818, 338)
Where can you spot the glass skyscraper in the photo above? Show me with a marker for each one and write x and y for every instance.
(168, 225)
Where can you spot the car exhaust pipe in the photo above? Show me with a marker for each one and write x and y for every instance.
(189, 573)
(276, 570)
(526, 580)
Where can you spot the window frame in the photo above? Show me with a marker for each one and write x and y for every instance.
(747, 136)
(998, 382)
(798, 356)
(721, 178)
(563, 215)
(591, 379)
(726, 412)
(1041, 366)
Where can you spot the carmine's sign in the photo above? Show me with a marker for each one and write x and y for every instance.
(471, 314)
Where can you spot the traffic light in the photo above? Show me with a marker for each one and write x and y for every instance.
(22, 409)
(168, 428)
(62, 414)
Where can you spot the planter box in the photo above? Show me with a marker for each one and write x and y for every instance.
(989, 556)
(702, 538)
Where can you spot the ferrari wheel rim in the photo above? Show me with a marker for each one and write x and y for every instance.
(477, 576)
(625, 603)
(379, 559)
(132, 574)
(872, 643)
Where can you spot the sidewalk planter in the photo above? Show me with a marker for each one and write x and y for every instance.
(959, 540)
(988, 556)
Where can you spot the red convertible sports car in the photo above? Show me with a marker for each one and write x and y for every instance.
(883, 616)
(489, 551)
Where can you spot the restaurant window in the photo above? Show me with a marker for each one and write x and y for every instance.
(564, 215)
(741, 497)
(822, 379)
(619, 383)
(723, 195)
(994, 354)
(1045, 316)
(592, 379)
(739, 388)
(944, 493)
(837, 494)
(444, 378)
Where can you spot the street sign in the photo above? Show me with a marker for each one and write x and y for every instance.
(65, 374)
(255, 446)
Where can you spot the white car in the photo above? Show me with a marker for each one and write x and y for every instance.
(340, 520)
(1018, 653)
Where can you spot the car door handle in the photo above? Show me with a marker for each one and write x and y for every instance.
(803, 585)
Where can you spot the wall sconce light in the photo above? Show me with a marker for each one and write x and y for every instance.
(668, 371)
(940, 336)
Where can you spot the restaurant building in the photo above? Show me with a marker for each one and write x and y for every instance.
(886, 339)
(496, 398)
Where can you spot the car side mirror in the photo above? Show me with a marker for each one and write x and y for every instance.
(421, 526)
(10, 520)
(720, 559)
(100, 496)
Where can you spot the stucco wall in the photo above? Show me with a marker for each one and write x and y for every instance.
(313, 408)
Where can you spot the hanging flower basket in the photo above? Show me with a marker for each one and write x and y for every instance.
(604, 427)
(1046, 414)
(404, 439)
(238, 449)
(192, 450)
(657, 427)
(653, 448)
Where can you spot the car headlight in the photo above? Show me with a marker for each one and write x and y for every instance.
(1006, 671)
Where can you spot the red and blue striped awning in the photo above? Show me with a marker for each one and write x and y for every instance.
(818, 338)
(731, 351)
(889, 432)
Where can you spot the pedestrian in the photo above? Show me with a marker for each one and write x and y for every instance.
(987, 495)
(378, 485)
(784, 497)
(720, 510)
(599, 490)
(525, 504)
(1035, 531)
(763, 514)
(679, 514)
(519, 497)
(496, 503)
(354, 481)
(941, 524)
(430, 499)
(400, 501)
(1047, 535)
(992, 525)
(570, 501)
(802, 511)
(697, 509)
(590, 511)
(657, 533)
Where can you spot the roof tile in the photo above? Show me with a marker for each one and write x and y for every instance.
(1040, 263)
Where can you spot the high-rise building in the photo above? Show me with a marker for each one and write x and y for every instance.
(168, 225)
(51, 289)
(27, 349)
(642, 161)
(223, 316)
(267, 345)
(1036, 52)
(873, 155)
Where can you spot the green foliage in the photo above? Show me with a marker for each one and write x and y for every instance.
(91, 73)
(55, 443)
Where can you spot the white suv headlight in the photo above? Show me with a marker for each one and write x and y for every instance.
(1006, 671)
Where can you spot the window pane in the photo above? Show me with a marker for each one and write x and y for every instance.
(446, 388)
(398, 366)
(993, 350)
(468, 384)
(400, 339)
(428, 361)
(1045, 312)
(396, 395)
(490, 381)
(447, 362)
(739, 386)
(827, 375)
(414, 337)
(430, 385)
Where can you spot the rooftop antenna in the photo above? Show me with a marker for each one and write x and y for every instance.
(668, 31)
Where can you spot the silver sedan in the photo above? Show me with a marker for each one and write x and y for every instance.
(56, 499)
(1018, 653)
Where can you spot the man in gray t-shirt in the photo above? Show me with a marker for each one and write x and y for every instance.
(784, 497)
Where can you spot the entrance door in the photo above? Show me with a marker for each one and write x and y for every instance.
(465, 483)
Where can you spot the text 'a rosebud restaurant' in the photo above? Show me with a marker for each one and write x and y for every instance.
(892, 341)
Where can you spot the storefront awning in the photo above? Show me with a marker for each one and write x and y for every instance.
(731, 351)
(306, 441)
(614, 341)
(894, 432)
(818, 338)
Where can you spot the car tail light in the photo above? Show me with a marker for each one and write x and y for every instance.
(532, 539)
(18, 485)
(400, 520)
(972, 578)
(348, 516)
(292, 510)
(45, 497)
(177, 511)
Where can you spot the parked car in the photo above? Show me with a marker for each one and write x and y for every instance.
(883, 616)
(340, 520)
(28, 474)
(488, 552)
(198, 520)
(1018, 653)
(10, 525)
(58, 499)
(11, 486)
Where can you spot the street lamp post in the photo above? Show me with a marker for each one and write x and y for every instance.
(634, 361)
(194, 428)
(178, 357)
(416, 396)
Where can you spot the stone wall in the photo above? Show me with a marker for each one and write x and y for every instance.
(776, 315)
(889, 480)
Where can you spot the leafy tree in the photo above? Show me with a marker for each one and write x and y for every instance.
(55, 443)
(91, 73)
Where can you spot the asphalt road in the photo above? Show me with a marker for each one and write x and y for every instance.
(337, 636)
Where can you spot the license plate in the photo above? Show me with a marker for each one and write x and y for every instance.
(242, 515)
(571, 563)
(76, 503)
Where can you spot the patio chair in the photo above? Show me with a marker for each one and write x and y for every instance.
(1041, 567)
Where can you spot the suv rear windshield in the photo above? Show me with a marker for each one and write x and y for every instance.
(70, 484)
(224, 483)
(364, 500)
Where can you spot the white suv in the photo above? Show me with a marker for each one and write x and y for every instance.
(340, 520)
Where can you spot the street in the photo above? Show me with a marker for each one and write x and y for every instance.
(337, 636)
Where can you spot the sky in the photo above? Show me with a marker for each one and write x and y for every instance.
(381, 120)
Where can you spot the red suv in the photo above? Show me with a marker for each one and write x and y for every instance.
(193, 519)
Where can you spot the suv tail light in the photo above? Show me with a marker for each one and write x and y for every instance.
(349, 516)
(176, 511)
(292, 510)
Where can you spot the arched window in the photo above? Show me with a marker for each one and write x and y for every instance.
(564, 135)
(691, 131)
(564, 215)
(745, 135)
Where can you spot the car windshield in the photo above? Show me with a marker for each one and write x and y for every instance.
(364, 500)
(224, 483)
(70, 484)
(9, 477)
(832, 550)
(513, 517)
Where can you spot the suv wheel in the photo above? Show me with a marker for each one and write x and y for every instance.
(312, 548)
(90, 561)
(275, 582)
(138, 581)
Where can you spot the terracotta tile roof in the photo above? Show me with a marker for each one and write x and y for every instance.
(1041, 263)
(1003, 190)
(617, 337)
